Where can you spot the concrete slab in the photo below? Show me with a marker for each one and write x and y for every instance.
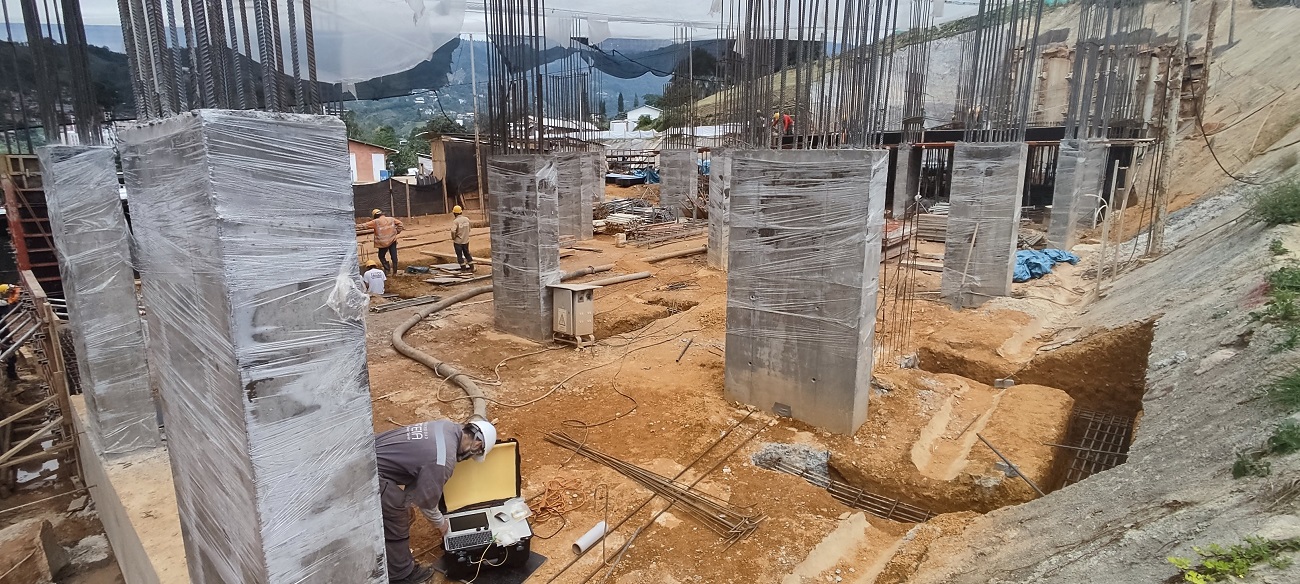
(247, 245)
(803, 273)
(525, 243)
(983, 221)
(94, 250)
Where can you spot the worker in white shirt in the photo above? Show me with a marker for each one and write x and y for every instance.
(460, 239)
(374, 278)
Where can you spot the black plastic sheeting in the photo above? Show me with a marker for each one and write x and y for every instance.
(462, 172)
(424, 199)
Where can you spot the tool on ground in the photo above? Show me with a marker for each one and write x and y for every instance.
(688, 345)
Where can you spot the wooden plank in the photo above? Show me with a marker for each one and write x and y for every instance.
(924, 266)
(29, 409)
(31, 439)
(38, 457)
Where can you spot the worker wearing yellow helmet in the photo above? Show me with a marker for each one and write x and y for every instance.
(386, 230)
(374, 278)
(460, 238)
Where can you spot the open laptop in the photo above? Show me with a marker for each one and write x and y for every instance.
(469, 529)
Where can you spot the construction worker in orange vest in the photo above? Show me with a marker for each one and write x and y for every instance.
(386, 230)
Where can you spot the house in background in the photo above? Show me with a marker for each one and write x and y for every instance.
(635, 113)
(367, 161)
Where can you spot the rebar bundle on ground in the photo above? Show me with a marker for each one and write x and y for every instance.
(724, 520)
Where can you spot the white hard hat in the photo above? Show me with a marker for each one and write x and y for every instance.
(488, 433)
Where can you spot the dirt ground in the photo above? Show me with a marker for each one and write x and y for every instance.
(631, 397)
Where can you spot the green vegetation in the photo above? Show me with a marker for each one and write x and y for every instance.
(1285, 439)
(1276, 248)
(1278, 204)
(1249, 464)
(1285, 391)
(1282, 309)
(1219, 564)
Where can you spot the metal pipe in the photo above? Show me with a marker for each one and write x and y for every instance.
(18, 343)
(448, 371)
(620, 279)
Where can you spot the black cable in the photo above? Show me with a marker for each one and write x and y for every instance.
(1206, 138)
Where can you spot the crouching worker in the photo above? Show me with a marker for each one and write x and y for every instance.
(414, 465)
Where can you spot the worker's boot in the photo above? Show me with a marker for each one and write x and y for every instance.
(469, 266)
(419, 575)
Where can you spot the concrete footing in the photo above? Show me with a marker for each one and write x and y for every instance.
(803, 272)
(525, 243)
(247, 246)
(1080, 168)
(983, 221)
(94, 245)
(719, 208)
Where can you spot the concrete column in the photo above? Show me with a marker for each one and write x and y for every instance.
(679, 177)
(1080, 168)
(983, 221)
(594, 171)
(719, 208)
(573, 179)
(94, 249)
(803, 272)
(907, 178)
(256, 318)
(525, 243)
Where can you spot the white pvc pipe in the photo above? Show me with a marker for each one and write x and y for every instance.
(590, 538)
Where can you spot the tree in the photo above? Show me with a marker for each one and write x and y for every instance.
(440, 126)
(604, 112)
(636, 102)
(645, 122)
(354, 128)
(621, 108)
(652, 100)
(385, 136)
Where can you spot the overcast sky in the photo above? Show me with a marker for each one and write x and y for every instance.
(665, 11)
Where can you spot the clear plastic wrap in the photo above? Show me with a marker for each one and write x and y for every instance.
(525, 243)
(573, 195)
(679, 179)
(94, 249)
(979, 254)
(1080, 166)
(593, 181)
(356, 41)
(248, 259)
(719, 207)
(803, 271)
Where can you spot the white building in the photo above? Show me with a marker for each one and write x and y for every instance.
(635, 114)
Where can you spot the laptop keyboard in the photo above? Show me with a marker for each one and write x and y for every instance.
(469, 540)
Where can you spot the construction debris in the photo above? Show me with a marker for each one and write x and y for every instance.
(932, 227)
(408, 303)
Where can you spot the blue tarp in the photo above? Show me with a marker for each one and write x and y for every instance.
(1032, 264)
(651, 175)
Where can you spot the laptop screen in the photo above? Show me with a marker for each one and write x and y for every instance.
(468, 522)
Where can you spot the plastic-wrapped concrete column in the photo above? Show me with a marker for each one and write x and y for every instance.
(678, 180)
(719, 208)
(573, 192)
(983, 221)
(802, 279)
(594, 177)
(247, 244)
(525, 243)
(94, 245)
(907, 170)
(1080, 166)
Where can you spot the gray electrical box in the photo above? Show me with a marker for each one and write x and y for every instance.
(574, 320)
